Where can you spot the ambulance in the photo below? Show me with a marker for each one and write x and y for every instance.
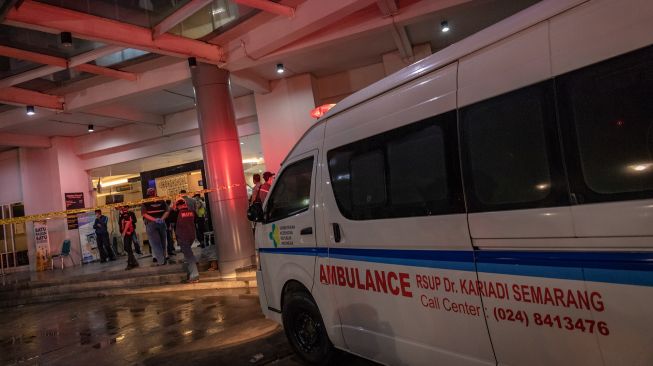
(491, 204)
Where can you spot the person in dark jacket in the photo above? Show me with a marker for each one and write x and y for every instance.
(171, 220)
(154, 216)
(102, 233)
(185, 230)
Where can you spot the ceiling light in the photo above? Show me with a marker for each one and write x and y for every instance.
(218, 11)
(30, 110)
(66, 39)
(280, 69)
(444, 26)
(90, 128)
(192, 62)
(640, 167)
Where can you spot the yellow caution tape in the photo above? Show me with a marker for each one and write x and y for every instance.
(63, 214)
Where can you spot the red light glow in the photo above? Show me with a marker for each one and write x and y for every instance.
(321, 110)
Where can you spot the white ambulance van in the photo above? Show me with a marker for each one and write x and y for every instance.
(491, 204)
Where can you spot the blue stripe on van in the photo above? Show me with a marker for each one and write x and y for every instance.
(444, 259)
(631, 268)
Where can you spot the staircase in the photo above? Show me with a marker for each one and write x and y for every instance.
(72, 284)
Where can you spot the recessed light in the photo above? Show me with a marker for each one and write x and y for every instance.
(90, 128)
(444, 27)
(29, 110)
(280, 69)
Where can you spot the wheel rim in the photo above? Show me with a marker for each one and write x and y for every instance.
(307, 332)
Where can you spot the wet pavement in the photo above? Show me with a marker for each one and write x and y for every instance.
(206, 327)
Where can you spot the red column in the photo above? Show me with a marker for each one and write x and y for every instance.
(224, 168)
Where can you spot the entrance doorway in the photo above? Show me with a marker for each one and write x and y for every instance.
(13, 240)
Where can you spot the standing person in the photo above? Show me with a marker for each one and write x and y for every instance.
(186, 236)
(191, 202)
(200, 224)
(255, 190)
(127, 224)
(265, 187)
(101, 226)
(154, 215)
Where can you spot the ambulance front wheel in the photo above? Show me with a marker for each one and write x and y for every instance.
(305, 329)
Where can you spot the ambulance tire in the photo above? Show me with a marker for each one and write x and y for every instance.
(305, 329)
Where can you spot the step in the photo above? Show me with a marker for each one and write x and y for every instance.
(204, 284)
(70, 277)
(54, 289)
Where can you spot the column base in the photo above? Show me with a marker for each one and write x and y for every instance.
(228, 268)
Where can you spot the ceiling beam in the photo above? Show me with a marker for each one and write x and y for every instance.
(310, 17)
(123, 113)
(179, 16)
(93, 55)
(11, 139)
(22, 97)
(33, 57)
(399, 35)
(269, 6)
(50, 69)
(39, 72)
(6, 6)
(63, 63)
(113, 91)
(388, 7)
(105, 71)
(251, 81)
(353, 26)
(43, 17)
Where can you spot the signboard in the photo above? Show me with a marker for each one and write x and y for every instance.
(87, 237)
(42, 241)
(73, 200)
(171, 185)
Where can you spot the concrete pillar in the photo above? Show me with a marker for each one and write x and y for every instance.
(224, 168)
(284, 116)
(46, 174)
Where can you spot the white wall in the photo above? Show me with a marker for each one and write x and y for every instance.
(10, 184)
(46, 175)
(284, 116)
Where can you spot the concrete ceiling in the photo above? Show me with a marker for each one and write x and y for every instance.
(250, 147)
(344, 52)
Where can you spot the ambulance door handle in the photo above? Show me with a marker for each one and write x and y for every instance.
(306, 231)
(336, 232)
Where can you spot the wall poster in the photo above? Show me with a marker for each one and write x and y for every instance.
(87, 237)
(73, 200)
(42, 241)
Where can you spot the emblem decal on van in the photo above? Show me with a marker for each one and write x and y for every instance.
(275, 236)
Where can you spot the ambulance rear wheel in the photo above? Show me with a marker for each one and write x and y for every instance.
(305, 329)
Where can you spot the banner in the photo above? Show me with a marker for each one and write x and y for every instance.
(42, 240)
(87, 237)
(73, 200)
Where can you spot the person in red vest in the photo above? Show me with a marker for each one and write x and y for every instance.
(127, 224)
(185, 230)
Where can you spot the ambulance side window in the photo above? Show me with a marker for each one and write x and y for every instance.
(412, 170)
(292, 193)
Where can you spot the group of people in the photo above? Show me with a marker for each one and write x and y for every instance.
(260, 190)
(186, 218)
